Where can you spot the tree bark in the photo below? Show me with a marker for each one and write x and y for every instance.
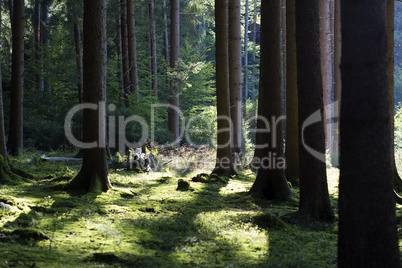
(337, 84)
(314, 198)
(325, 46)
(36, 45)
(292, 131)
(124, 52)
(246, 52)
(154, 81)
(93, 175)
(165, 34)
(15, 137)
(270, 182)
(3, 148)
(77, 37)
(173, 114)
(132, 50)
(44, 41)
(235, 81)
(367, 224)
(224, 164)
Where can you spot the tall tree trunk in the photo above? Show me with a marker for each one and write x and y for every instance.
(270, 182)
(3, 148)
(165, 34)
(292, 131)
(77, 37)
(246, 52)
(367, 224)
(93, 175)
(153, 50)
(337, 83)
(36, 45)
(314, 197)
(235, 80)
(119, 55)
(44, 37)
(254, 39)
(15, 137)
(173, 114)
(283, 46)
(132, 49)
(224, 164)
(325, 46)
(124, 52)
(390, 11)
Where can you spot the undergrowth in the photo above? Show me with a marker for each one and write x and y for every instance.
(145, 222)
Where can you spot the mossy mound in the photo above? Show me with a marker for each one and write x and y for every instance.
(24, 234)
(183, 185)
(213, 178)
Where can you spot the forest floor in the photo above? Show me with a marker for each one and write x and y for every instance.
(145, 222)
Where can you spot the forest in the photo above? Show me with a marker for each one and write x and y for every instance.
(200, 133)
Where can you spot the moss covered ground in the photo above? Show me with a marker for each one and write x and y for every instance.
(146, 222)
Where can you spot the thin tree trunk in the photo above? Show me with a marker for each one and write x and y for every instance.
(93, 175)
(246, 52)
(165, 35)
(3, 148)
(314, 198)
(44, 36)
(235, 76)
(36, 45)
(124, 52)
(224, 164)
(119, 55)
(132, 49)
(77, 36)
(337, 84)
(173, 114)
(253, 61)
(15, 137)
(367, 223)
(292, 131)
(270, 182)
(325, 46)
(283, 46)
(153, 50)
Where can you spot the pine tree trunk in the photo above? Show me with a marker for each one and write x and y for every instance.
(337, 84)
(173, 114)
(3, 148)
(124, 52)
(93, 175)
(325, 46)
(165, 34)
(270, 182)
(367, 224)
(153, 50)
(77, 37)
(246, 52)
(292, 131)
(224, 165)
(132, 49)
(36, 45)
(15, 137)
(44, 37)
(314, 197)
(235, 76)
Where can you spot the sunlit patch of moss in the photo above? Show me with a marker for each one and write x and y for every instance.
(144, 221)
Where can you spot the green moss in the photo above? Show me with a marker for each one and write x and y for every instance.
(145, 222)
